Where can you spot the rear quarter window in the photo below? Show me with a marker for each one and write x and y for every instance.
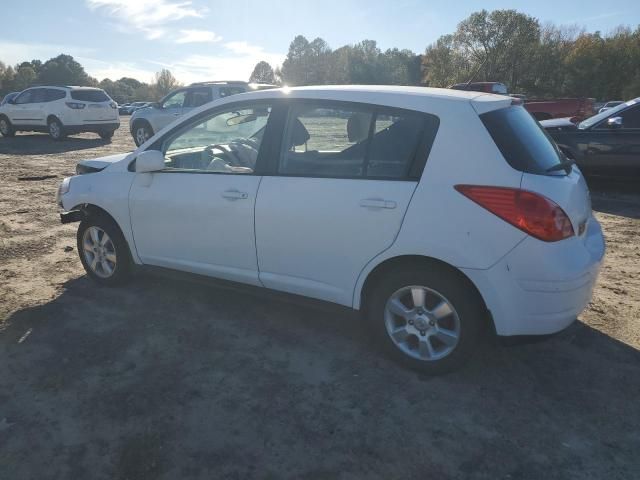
(90, 95)
(522, 141)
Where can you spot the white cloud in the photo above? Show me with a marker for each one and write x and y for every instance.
(197, 36)
(244, 48)
(15, 52)
(148, 16)
(235, 66)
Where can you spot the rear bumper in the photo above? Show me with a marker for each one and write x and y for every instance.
(540, 288)
(97, 127)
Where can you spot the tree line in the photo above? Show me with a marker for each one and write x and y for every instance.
(65, 70)
(502, 45)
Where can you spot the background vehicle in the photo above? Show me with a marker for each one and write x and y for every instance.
(609, 105)
(605, 145)
(8, 97)
(145, 123)
(60, 111)
(123, 109)
(487, 87)
(579, 108)
(333, 192)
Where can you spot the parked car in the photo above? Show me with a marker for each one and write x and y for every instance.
(124, 109)
(487, 87)
(8, 97)
(60, 111)
(578, 108)
(605, 145)
(336, 193)
(609, 105)
(145, 123)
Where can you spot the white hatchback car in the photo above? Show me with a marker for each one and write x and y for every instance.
(60, 111)
(439, 213)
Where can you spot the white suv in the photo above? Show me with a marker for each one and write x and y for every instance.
(60, 111)
(145, 122)
(438, 213)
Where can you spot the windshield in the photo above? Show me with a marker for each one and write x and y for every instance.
(524, 144)
(591, 121)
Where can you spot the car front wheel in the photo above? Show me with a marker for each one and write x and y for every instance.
(103, 251)
(427, 318)
(6, 129)
(141, 133)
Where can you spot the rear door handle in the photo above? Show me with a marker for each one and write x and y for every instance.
(235, 195)
(377, 203)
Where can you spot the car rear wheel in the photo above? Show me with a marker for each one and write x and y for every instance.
(141, 133)
(427, 318)
(106, 135)
(6, 129)
(56, 129)
(103, 251)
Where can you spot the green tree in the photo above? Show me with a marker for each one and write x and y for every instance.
(164, 83)
(62, 70)
(263, 73)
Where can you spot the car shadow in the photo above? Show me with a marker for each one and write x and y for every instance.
(167, 379)
(41, 143)
(615, 197)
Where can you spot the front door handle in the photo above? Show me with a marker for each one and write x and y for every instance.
(235, 195)
(377, 203)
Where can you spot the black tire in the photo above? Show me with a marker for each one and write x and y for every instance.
(56, 129)
(6, 129)
(106, 135)
(455, 289)
(141, 132)
(123, 265)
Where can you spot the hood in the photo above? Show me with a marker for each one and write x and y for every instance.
(558, 124)
(97, 164)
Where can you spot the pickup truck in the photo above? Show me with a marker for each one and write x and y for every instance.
(578, 108)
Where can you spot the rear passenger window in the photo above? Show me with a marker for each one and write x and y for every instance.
(54, 94)
(355, 142)
(394, 144)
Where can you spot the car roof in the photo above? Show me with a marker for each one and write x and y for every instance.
(414, 98)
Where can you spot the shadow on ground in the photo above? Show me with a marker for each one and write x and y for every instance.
(165, 380)
(42, 144)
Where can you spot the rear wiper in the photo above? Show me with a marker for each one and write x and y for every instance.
(563, 165)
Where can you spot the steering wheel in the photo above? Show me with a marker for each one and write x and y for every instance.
(224, 155)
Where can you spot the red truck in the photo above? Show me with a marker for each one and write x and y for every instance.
(578, 108)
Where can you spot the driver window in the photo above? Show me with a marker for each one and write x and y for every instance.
(226, 142)
(24, 97)
(631, 118)
(175, 101)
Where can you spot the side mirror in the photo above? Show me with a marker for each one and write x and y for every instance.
(614, 122)
(150, 161)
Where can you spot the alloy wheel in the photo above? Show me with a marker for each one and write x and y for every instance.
(422, 323)
(99, 252)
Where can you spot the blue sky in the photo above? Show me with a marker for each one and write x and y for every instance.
(224, 39)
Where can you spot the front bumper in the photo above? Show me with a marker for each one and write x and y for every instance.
(540, 288)
(71, 216)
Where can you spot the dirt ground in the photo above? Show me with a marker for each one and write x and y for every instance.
(167, 380)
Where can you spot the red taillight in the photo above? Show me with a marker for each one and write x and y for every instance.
(530, 212)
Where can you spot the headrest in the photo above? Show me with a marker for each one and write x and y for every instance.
(358, 127)
(299, 134)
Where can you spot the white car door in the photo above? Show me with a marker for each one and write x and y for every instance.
(197, 215)
(23, 112)
(337, 198)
